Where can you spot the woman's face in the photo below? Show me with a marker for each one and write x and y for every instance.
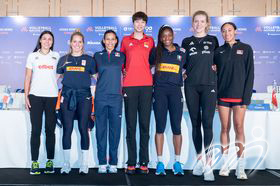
(167, 38)
(77, 44)
(46, 41)
(139, 25)
(110, 41)
(228, 33)
(200, 24)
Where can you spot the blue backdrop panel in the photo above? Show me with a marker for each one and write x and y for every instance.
(18, 37)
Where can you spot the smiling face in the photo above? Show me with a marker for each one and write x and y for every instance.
(200, 24)
(228, 33)
(139, 25)
(110, 41)
(77, 44)
(167, 38)
(46, 42)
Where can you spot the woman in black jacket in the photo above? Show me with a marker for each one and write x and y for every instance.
(235, 68)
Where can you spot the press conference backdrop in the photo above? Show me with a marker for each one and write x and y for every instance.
(18, 37)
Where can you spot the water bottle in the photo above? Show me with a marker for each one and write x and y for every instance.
(274, 98)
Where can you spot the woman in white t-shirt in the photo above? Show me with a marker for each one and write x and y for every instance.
(41, 91)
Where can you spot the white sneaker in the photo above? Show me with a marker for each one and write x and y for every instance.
(208, 174)
(102, 169)
(224, 171)
(198, 168)
(112, 169)
(240, 172)
(83, 169)
(65, 168)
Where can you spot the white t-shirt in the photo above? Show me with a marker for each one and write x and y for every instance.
(43, 82)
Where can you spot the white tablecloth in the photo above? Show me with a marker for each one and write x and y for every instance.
(260, 127)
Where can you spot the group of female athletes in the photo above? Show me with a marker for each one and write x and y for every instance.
(212, 75)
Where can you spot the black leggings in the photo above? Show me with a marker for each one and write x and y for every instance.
(201, 102)
(82, 114)
(39, 105)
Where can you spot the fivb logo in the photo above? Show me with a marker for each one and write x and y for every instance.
(260, 145)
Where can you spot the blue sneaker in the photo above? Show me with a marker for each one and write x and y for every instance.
(160, 169)
(177, 169)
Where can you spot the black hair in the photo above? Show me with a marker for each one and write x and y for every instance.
(160, 45)
(229, 23)
(108, 32)
(38, 45)
(139, 15)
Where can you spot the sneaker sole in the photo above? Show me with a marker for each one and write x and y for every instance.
(35, 173)
(49, 172)
(160, 173)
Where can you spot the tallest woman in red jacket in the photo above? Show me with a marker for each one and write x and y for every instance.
(235, 67)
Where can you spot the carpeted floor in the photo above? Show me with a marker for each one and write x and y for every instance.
(22, 177)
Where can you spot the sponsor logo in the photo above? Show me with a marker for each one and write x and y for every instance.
(207, 42)
(213, 90)
(5, 31)
(193, 51)
(130, 44)
(101, 53)
(104, 28)
(125, 95)
(75, 69)
(93, 42)
(205, 52)
(128, 29)
(46, 67)
(117, 54)
(206, 47)
(221, 52)
(191, 43)
(165, 67)
(149, 29)
(90, 29)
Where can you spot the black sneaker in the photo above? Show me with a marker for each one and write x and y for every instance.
(49, 167)
(143, 169)
(35, 168)
(130, 169)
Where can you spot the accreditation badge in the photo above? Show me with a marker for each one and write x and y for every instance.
(84, 62)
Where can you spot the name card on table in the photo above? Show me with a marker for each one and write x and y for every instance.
(262, 106)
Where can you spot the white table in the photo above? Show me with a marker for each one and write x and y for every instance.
(260, 126)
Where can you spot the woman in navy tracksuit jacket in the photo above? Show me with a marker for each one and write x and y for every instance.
(108, 101)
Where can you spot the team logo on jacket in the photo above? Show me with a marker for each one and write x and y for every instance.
(183, 50)
(193, 51)
(75, 69)
(240, 52)
(84, 62)
(146, 44)
(117, 54)
(179, 57)
(206, 47)
(166, 67)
